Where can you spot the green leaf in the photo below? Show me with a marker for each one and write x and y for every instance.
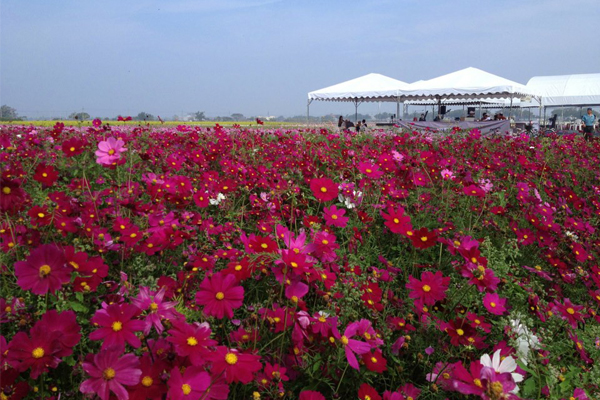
(75, 306)
(529, 387)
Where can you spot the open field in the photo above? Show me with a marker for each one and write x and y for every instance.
(49, 123)
(262, 263)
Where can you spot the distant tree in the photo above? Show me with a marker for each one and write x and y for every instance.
(237, 116)
(383, 116)
(144, 116)
(198, 116)
(79, 116)
(359, 116)
(8, 113)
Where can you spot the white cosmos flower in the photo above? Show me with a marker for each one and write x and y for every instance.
(217, 201)
(501, 366)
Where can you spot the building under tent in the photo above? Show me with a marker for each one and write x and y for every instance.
(367, 88)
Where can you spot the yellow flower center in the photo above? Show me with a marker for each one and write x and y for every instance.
(496, 390)
(6, 190)
(38, 352)
(153, 306)
(264, 245)
(460, 332)
(373, 360)
(426, 288)
(111, 152)
(324, 189)
(322, 319)
(325, 242)
(344, 340)
(570, 311)
(220, 296)
(295, 299)
(238, 268)
(396, 221)
(423, 238)
(41, 215)
(45, 270)
(117, 326)
(492, 304)
(191, 341)
(72, 149)
(108, 374)
(45, 175)
(294, 264)
(147, 381)
(186, 389)
(477, 382)
(231, 359)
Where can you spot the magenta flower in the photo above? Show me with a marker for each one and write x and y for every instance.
(109, 151)
(191, 341)
(43, 271)
(335, 216)
(191, 385)
(311, 395)
(158, 309)
(110, 373)
(430, 289)
(296, 290)
(220, 295)
(352, 346)
(494, 303)
(117, 326)
(38, 352)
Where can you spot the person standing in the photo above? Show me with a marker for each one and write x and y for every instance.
(588, 124)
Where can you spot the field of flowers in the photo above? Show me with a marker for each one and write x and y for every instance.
(146, 262)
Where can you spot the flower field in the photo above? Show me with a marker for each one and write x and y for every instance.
(146, 262)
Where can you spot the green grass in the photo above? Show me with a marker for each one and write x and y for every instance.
(46, 123)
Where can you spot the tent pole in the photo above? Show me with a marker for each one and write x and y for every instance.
(356, 111)
(480, 115)
(509, 111)
(397, 108)
(308, 112)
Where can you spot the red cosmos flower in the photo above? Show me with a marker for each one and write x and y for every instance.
(73, 146)
(117, 326)
(374, 361)
(396, 220)
(310, 395)
(324, 189)
(237, 367)
(262, 244)
(430, 289)
(240, 269)
(335, 216)
(494, 303)
(370, 170)
(39, 216)
(11, 195)
(220, 296)
(570, 312)
(43, 271)
(473, 190)
(194, 382)
(191, 341)
(110, 373)
(460, 332)
(11, 390)
(63, 326)
(259, 122)
(367, 392)
(423, 238)
(45, 174)
(201, 198)
(38, 352)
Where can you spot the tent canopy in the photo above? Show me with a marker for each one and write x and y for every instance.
(469, 83)
(567, 90)
(370, 87)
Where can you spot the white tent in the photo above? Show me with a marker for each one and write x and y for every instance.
(567, 90)
(466, 84)
(370, 87)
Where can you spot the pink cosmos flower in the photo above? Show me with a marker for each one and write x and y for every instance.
(38, 352)
(335, 216)
(220, 295)
(352, 346)
(494, 303)
(117, 326)
(370, 170)
(191, 341)
(296, 290)
(430, 289)
(109, 151)
(237, 366)
(110, 373)
(191, 385)
(43, 271)
(158, 309)
(311, 395)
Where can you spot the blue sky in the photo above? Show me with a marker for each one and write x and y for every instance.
(263, 56)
